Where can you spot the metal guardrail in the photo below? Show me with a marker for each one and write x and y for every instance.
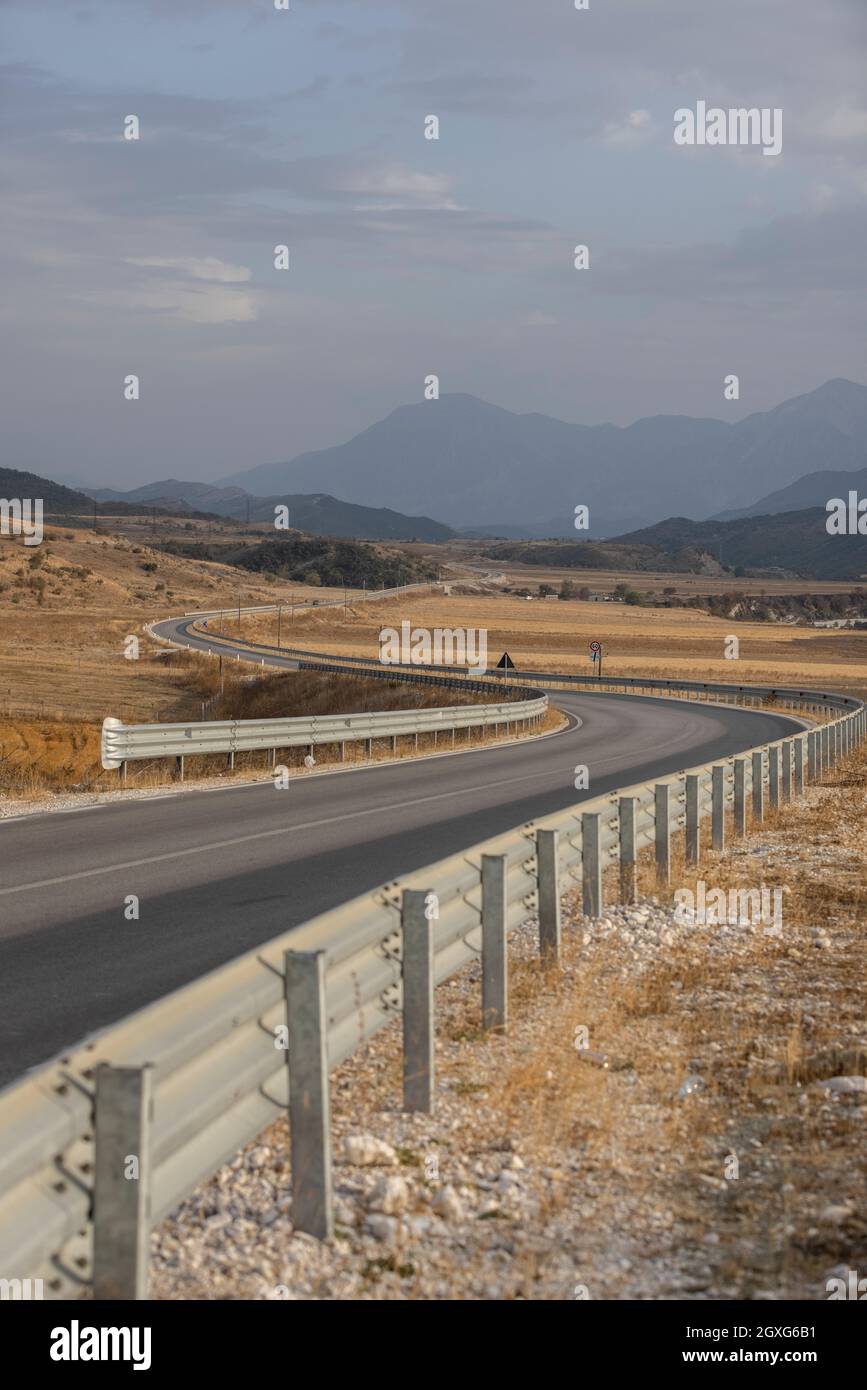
(123, 743)
(186, 1082)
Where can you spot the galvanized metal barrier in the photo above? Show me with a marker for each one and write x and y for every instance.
(123, 743)
(185, 1083)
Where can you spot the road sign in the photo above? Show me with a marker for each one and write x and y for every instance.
(505, 663)
(595, 646)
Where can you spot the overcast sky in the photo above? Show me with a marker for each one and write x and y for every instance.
(411, 256)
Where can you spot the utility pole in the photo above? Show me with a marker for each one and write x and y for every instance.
(279, 616)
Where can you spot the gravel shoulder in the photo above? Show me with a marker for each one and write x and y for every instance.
(679, 1113)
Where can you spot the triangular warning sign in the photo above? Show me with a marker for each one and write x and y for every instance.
(505, 663)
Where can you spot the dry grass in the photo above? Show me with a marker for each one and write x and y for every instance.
(551, 635)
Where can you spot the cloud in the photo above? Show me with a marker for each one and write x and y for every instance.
(199, 267)
(634, 130)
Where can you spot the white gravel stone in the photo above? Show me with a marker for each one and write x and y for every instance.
(390, 1195)
(447, 1204)
(365, 1150)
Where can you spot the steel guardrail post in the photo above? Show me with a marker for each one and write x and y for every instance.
(122, 1181)
(309, 1099)
(718, 807)
(787, 770)
(662, 833)
(799, 765)
(591, 864)
(495, 958)
(418, 1001)
(626, 835)
(739, 818)
(548, 886)
(758, 786)
(774, 778)
(692, 829)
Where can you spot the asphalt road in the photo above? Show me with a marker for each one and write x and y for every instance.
(218, 872)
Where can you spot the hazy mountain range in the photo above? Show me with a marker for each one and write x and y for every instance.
(477, 466)
(814, 490)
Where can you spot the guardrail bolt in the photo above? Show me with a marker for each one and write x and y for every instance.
(309, 1100)
(418, 1001)
(122, 1181)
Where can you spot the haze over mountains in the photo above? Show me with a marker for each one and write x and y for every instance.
(475, 465)
(814, 490)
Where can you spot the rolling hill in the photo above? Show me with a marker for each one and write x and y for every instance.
(317, 514)
(813, 490)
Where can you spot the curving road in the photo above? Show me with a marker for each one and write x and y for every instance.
(216, 872)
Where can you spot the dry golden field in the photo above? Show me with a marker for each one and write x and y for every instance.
(64, 657)
(62, 663)
(547, 634)
(68, 606)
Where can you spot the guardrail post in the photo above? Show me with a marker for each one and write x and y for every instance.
(739, 820)
(548, 886)
(418, 1001)
(626, 816)
(718, 807)
(692, 832)
(813, 748)
(179, 767)
(122, 1182)
(663, 833)
(774, 778)
(799, 766)
(495, 964)
(366, 747)
(787, 769)
(759, 786)
(591, 864)
(309, 1100)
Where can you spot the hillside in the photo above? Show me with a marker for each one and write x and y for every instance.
(318, 514)
(63, 501)
(795, 542)
(463, 459)
(307, 559)
(813, 490)
(601, 555)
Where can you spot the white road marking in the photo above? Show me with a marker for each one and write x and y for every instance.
(267, 834)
